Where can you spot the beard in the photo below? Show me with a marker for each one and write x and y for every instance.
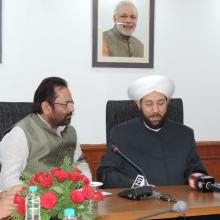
(154, 121)
(126, 30)
(66, 120)
(54, 122)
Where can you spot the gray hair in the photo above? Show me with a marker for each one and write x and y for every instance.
(122, 3)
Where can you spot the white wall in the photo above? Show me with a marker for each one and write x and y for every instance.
(53, 37)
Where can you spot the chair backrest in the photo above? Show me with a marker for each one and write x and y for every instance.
(12, 112)
(124, 110)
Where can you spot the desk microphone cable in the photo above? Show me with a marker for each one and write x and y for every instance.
(163, 196)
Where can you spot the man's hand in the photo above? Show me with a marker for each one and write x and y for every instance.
(192, 179)
(7, 201)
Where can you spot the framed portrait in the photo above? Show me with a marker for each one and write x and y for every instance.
(123, 33)
(0, 31)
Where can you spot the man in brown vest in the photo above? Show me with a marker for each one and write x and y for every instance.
(40, 141)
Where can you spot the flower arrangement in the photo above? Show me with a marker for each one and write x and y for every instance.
(62, 187)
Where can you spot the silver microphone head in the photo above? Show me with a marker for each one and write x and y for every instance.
(180, 206)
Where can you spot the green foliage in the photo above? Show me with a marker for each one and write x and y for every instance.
(61, 190)
(25, 177)
(67, 164)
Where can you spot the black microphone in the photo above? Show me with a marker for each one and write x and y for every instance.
(115, 149)
(216, 187)
(179, 207)
(139, 192)
(205, 183)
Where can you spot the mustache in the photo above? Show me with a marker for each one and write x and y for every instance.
(69, 114)
(126, 24)
(119, 23)
(155, 115)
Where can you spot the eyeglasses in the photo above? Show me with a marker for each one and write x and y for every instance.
(66, 104)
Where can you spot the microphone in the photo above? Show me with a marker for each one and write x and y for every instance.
(137, 191)
(116, 150)
(205, 183)
(139, 181)
(216, 187)
(179, 207)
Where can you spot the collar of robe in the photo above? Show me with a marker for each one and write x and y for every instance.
(152, 129)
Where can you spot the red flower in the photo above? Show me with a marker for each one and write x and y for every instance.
(74, 176)
(19, 200)
(48, 200)
(84, 180)
(88, 192)
(77, 196)
(98, 196)
(47, 182)
(77, 170)
(62, 184)
(21, 208)
(38, 177)
(60, 175)
(55, 170)
(31, 183)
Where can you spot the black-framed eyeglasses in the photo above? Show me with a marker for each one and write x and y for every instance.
(65, 104)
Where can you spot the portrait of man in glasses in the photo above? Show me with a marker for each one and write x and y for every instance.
(41, 140)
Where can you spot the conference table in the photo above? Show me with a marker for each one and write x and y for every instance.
(199, 204)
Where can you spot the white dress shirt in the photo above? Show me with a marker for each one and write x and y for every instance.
(14, 154)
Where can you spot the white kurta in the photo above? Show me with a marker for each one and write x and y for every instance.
(14, 153)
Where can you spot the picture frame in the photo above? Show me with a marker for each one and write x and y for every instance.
(104, 20)
(0, 31)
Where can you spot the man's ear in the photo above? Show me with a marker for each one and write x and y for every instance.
(46, 107)
(114, 19)
(138, 103)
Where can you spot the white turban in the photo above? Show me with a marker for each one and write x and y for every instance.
(145, 85)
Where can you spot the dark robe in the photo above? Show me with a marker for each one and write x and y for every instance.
(167, 157)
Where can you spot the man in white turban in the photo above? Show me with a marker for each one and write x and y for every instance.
(152, 94)
(164, 149)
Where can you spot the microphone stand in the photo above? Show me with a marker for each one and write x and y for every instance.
(116, 150)
(154, 214)
(179, 207)
(140, 192)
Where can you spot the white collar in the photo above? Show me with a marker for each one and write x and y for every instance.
(152, 129)
(59, 129)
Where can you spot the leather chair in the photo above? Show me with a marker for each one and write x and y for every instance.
(124, 110)
(12, 112)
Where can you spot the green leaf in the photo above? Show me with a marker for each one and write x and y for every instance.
(15, 216)
(67, 164)
(81, 207)
(57, 189)
(25, 176)
(44, 216)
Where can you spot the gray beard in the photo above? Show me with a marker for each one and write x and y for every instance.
(121, 31)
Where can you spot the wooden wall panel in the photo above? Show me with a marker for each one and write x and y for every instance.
(209, 152)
